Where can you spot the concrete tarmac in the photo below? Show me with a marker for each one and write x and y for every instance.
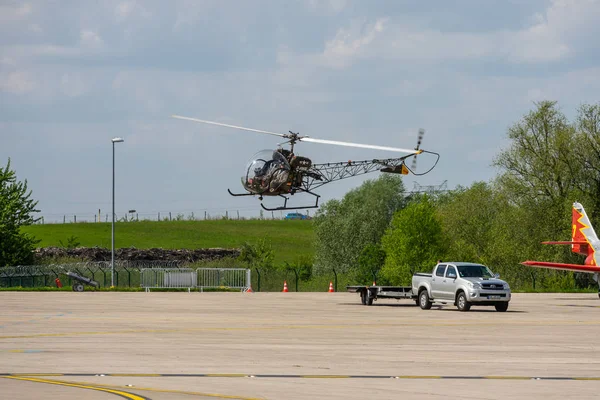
(100, 345)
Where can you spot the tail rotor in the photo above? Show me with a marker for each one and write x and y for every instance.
(419, 140)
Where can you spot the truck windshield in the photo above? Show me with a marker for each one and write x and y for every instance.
(474, 271)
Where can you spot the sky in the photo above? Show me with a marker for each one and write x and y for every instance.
(75, 74)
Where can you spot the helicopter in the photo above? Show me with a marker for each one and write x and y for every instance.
(281, 172)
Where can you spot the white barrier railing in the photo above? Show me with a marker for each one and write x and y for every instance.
(231, 278)
(167, 278)
(202, 278)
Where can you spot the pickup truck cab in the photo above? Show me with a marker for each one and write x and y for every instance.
(462, 284)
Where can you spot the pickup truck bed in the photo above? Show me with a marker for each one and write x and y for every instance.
(370, 293)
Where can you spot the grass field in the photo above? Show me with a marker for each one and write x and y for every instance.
(289, 238)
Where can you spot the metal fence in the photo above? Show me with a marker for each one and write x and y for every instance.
(127, 274)
(144, 274)
(230, 278)
(168, 278)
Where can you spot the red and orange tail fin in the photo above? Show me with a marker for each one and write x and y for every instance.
(583, 241)
(583, 235)
(583, 231)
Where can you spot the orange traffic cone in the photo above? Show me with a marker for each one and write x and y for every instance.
(285, 289)
(249, 290)
(330, 287)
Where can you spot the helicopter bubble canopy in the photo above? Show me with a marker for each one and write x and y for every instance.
(266, 172)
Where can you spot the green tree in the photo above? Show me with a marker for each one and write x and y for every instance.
(467, 216)
(587, 155)
(16, 209)
(369, 264)
(540, 162)
(343, 228)
(258, 255)
(413, 241)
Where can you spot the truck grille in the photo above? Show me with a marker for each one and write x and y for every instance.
(492, 286)
(492, 294)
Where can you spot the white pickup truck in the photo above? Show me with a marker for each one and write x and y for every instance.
(462, 284)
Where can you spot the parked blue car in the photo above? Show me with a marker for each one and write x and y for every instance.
(296, 215)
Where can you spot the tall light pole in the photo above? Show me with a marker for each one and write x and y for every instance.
(112, 247)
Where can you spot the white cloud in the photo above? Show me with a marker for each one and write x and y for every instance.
(552, 35)
(350, 43)
(327, 6)
(124, 9)
(8, 61)
(188, 12)
(35, 28)
(18, 82)
(90, 39)
(9, 12)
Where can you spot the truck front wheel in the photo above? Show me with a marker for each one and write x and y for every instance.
(461, 302)
(424, 300)
(501, 307)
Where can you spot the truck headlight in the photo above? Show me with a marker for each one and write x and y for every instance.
(506, 287)
(475, 285)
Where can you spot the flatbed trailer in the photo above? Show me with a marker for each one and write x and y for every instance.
(368, 294)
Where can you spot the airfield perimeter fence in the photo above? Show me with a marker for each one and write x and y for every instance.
(128, 274)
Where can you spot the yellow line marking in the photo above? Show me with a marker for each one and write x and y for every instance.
(349, 326)
(148, 389)
(77, 385)
(508, 377)
(587, 379)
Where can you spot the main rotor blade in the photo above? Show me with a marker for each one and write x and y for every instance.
(364, 146)
(227, 125)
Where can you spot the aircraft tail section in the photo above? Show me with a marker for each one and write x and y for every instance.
(583, 241)
(583, 236)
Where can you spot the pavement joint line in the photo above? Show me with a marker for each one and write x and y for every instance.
(120, 393)
(309, 376)
(349, 326)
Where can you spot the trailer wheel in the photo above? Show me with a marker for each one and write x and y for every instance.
(369, 299)
(78, 287)
(424, 300)
(461, 302)
(363, 298)
(502, 307)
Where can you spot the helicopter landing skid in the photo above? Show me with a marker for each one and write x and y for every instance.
(240, 194)
(285, 207)
(260, 197)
